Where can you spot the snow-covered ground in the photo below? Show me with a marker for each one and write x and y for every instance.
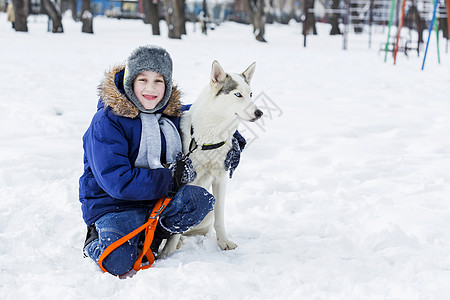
(343, 192)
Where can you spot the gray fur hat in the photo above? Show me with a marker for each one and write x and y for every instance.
(148, 58)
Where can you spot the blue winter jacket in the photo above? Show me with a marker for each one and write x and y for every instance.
(110, 182)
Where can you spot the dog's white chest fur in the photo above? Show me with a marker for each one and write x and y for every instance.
(204, 160)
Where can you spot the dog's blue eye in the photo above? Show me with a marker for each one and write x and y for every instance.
(238, 95)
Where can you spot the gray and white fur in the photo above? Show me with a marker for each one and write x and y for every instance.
(214, 117)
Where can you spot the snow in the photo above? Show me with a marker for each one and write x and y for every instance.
(342, 192)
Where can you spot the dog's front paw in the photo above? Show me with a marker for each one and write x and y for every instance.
(165, 252)
(226, 244)
(162, 255)
(172, 244)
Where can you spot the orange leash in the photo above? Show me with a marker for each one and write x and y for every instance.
(149, 227)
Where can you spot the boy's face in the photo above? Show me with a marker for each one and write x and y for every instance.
(149, 88)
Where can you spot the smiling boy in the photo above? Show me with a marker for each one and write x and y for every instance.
(132, 149)
(149, 88)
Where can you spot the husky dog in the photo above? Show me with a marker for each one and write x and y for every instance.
(207, 130)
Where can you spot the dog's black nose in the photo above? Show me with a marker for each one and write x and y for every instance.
(258, 113)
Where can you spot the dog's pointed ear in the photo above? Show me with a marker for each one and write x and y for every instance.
(218, 75)
(248, 73)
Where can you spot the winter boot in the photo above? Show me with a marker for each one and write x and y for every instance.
(91, 235)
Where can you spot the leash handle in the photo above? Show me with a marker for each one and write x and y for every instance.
(149, 227)
(149, 234)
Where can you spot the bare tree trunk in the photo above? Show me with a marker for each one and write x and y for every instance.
(151, 15)
(258, 18)
(171, 19)
(182, 16)
(146, 8)
(154, 17)
(309, 24)
(168, 15)
(54, 13)
(204, 18)
(334, 19)
(260, 22)
(21, 14)
(176, 18)
(87, 17)
(73, 8)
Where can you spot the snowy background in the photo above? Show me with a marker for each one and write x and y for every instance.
(343, 192)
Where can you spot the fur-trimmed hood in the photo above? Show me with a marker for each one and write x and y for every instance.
(112, 95)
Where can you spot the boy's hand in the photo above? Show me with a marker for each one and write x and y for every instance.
(183, 171)
(234, 155)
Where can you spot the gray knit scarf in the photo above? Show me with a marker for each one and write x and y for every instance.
(150, 147)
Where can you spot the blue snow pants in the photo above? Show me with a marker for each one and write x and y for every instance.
(186, 209)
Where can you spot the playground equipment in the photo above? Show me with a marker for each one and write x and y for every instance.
(361, 15)
(433, 23)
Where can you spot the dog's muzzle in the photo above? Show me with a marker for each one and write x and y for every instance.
(258, 115)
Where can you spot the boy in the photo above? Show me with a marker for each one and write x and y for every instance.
(131, 150)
